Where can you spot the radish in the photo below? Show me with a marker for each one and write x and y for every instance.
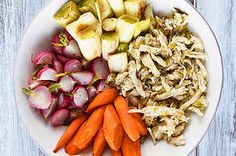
(74, 113)
(57, 66)
(64, 100)
(72, 49)
(92, 92)
(59, 117)
(35, 83)
(47, 74)
(44, 57)
(72, 66)
(83, 77)
(62, 59)
(101, 86)
(80, 96)
(100, 68)
(47, 112)
(39, 98)
(66, 84)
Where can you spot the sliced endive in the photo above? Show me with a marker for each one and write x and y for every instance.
(110, 43)
(67, 13)
(89, 41)
(142, 26)
(125, 27)
(103, 9)
(87, 6)
(118, 62)
(117, 7)
(109, 24)
(135, 7)
(85, 20)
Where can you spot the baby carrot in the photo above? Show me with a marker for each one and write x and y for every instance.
(70, 131)
(115, 153)
(130, 148)
(99, 144)
(86, 132)
(113, 130)
(103, 98)
(140, 124)
(127, 119)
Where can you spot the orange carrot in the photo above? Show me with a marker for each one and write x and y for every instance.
(99, 144)
(140, 124)
(70, 131)
(113, 130)
(115, 153)
(127, 119)
(103, 98)
(86, 132)
(130, 148)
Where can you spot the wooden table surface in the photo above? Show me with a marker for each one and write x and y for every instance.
(15, 16)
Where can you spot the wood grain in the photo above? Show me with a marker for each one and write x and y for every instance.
(15, 16)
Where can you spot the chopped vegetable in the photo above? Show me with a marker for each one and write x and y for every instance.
(59, 117)
(110, 43)
(109, 24)
(64, 100)
(57, 66)
(47, 74)
(80, 96)
(44, 57)
(140, 124)
(46, 113)
(87, 6)
(83, 77)
(135, 7)
(130, 148)
(103, 9)
(117, 7)
(141, 27)
(115, 153)
(118, 62)
(73, 65)
(99, 144)
(62, 59)
(100, 67)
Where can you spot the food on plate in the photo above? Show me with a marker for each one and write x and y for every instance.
(116, 74)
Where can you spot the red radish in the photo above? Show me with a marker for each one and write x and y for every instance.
(57, 66)
(86, 65)
(101, 86)
(83, 77)
(72, 66)
(47, 74)
(74, 113)
(39, 98)
(80, 96)
(59, 117)
(67, 83)
(100, 68)
(47, 112)
(35, 83)
(72, 49)
(60, 41)
(92, 92)
(44, 57)
(62, 59)
(64, 100)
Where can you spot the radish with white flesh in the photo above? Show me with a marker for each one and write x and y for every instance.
(101, 86)
(59, 117)
(35, 83)
(72, 49)
(57, 66)
(39, 98)
(47, 74)
(118, 62)
(100, 68)
(64, 100)
(72, 66)
(67, 83)
(80, 96)
(60, 41)
(47, 112)
(92, 92)
(44, 57)
(62, 59)
(83, 77)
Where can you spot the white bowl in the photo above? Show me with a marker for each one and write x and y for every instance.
(37, 39)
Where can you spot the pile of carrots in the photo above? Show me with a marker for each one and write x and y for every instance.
(106, 121)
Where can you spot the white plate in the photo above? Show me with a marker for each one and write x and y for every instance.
(37, 39)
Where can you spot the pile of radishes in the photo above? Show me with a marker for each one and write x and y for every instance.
(63, 82)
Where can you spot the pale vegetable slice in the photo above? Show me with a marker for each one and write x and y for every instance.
(125, 27)
(147, 61)
(110, 43)
(118, 62)
(103, 9)
(117, 7)
(87, 6)
(85, 20)
(142, 26)
(47, 74)
(135, 7)
(89, 41)
(109, 24)
(68, 13)
(148, 13)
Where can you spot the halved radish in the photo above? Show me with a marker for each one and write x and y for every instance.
(64, 100)
(92, 92)
(74, 113)
(57, 66)
(100, 68)
(44, 57)
(39, 98)
(59, 117)
(67, 83)
(83, 77)
(72, 66)
(47, 74)
(62, 59)
(47, 112)
(60, 41)
(80, 96)
(35, 83)
(72, 49)
(101, 86)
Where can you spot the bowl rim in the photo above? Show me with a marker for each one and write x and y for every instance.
(48, 3)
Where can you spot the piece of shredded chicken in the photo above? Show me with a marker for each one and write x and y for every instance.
(166, 77)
